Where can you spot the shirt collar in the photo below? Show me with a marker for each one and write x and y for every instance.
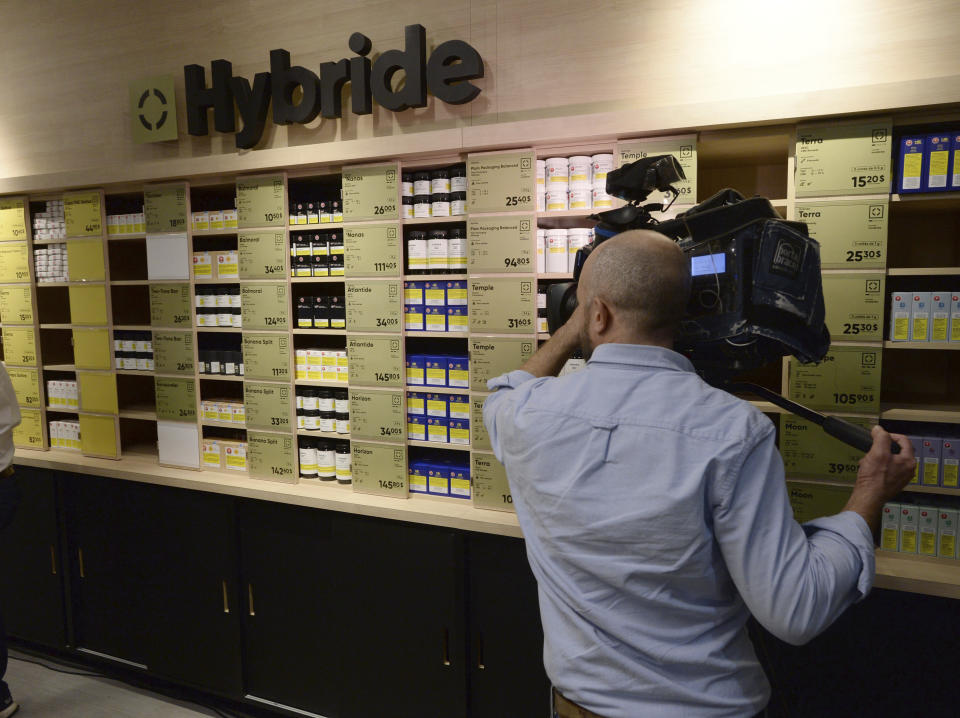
(640, 355)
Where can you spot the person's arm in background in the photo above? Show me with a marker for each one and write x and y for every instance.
(797, 580)
(9, 418)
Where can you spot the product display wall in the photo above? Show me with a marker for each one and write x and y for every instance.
(215, 326)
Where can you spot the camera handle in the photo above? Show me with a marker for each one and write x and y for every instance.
(855, 436)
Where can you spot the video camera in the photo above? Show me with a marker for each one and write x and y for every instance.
(756, 292)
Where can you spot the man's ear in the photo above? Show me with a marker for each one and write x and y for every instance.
(600, 315)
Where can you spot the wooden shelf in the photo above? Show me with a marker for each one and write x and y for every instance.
(912, 489)
(323, 434)
(136, 372)
(56, 326)
(918, 574)
(438, 445)
(925, 201)
(440, 335)
(231, 232)
(128, 282)
(314, 227)
(922, 345)
(317, 280)
(224, 424)
(70, 284)
(140, 411)
(457, 219)
(133, 327)
(433, 277)
(322, 332)
(49, 241)
(220, 377)
(62, 410)
(218, 280)
(230, 329)
(923, 271)
(316, 382)
(60, 367)
(911, 412)
(438, 389)
(126, 236)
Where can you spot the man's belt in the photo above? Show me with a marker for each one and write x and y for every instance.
(565, 708)
(6, 472)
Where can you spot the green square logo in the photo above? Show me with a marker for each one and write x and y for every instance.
(153, 109)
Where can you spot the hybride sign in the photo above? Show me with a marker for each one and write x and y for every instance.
(447, 74)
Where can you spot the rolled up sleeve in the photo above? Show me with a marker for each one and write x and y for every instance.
(796, 580)
(500, 407)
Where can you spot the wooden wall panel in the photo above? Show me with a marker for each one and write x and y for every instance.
(67, 65)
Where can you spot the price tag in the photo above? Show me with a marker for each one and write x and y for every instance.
(264, 306)
(374, 306)
(266, 356)
(683, 147)
(260, 202)
(812, 501)
(851, 233)
(855, 305)
(847, 380)
(19, 346)
(502, 244)
(377, 415)
(490, 357)
(375, 360)
(26, 385)
(851, 158)
(809, 452)
(85, 260)
(271, 457)
(263, 255)
(14, 262)
(29, 433)
(379, 468)
(176, 399)
(88, 305)
(490, 487)
(372, 250)
(81, 212)
(501, 182)
(165, 208)
(173, 352)
(16, 305)
(371, 193)
(170, 305)
(479, 439)
(13, 224)
(267, 406)
(502, 305)
(92, 349)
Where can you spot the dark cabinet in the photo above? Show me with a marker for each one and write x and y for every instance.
(31, 564)
(290, 606)
(505, 643)
(401, 619)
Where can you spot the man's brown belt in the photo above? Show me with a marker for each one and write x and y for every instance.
(565, 708)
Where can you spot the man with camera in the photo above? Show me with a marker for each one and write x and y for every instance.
(655, 509)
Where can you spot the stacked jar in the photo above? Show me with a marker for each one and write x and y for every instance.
(580, 179)
(601, 164)
(441, 192)
(325, 459)
(437, 251)
(324, 410)
(557, 192)
(218, 306)
(560, 248)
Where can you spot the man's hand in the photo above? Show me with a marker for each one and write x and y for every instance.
(550, 358)
(882, 476)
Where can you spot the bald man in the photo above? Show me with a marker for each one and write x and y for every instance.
(655, 510)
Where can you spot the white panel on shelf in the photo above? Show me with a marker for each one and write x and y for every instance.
(168, 256)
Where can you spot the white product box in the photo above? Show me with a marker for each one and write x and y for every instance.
(201, 221)
(908, 529)
(939, 316)
(212, 454)
(931, 449)
(890, 527)
(947, 533)
(955, 316)
(900, 316)
(920, 317)
(950, 464)
(927, 517)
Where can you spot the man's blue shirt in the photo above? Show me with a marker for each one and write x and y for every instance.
(656, 518)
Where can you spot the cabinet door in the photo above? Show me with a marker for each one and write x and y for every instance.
(402, 619)
(195, 632)
(32, 603)
(506, 637)
(290, 609)
(111, 566)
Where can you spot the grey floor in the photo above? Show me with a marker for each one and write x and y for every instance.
(42, 693)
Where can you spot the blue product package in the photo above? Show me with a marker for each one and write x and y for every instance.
(438, 430)
(416, 427)
(416, 404)
(438, 478)
(413, 317)
(917, 443)
(417, 477)
(458, 375)
(460, 481)
(458, 406)
(457, 320)
(459, 431)
(955, 160)
(910, 169)
(435, 319)
(435, 294)
(416, 367)
(435, 366)
(456, 293)
(936, 163)
(437, 405)
(413, 293)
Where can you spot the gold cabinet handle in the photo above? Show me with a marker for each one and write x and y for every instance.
(480, 664)
(80, 558)
(446, 647)
(53, 560)
(250, 599)
(226, 602)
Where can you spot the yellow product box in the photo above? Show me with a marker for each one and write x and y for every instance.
(202, 265)
(229, 219)
(215, 220)
(235, 455)
(228, 266)
(212, 454)
(224, 411)
(947, 534)
(927, 519)
(890, 527)
(908, 529)
(200, 221)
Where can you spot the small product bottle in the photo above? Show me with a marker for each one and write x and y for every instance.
(224, 313)
(338, 313)
(440, 181)
(326, 460)
(417, 252)
(204, 356)
(229, 363)
(235, 307)
(320, 254)
(308, 458)
(325, 216)
(406, 208)
(342, 466)
(458, 204)
(421, 184)
(313, 216)
(321, 313)
(328, 422)
(311, 414)
(300, 411)
(437, 251)
(421, 206)
(406, 184)
(440, 205)
(341, 401)
(215, 363)
(337, 212)
(457, 250)
(343, 423)
(336, 254)
(238, 359)
(305, 313)
(458, 178)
